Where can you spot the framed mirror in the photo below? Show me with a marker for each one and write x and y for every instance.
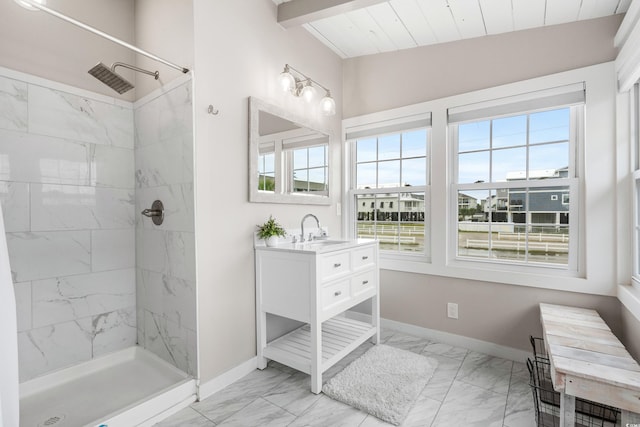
(288, 157)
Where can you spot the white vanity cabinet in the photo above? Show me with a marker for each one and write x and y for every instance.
(315, 283)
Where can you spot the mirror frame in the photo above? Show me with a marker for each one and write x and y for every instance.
(255, 106)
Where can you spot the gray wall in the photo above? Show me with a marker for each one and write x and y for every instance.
(42, 45)
(389, 80)
(239, 52)
(494, 312)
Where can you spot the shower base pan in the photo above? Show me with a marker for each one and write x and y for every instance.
(131, 387)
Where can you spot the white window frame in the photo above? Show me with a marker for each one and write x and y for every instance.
(635, 186)
(576, 144)
(596, 207)
(393, 124)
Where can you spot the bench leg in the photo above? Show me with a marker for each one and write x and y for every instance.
(567, 410)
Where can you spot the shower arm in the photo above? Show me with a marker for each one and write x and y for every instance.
(134, 68)
(104, 35)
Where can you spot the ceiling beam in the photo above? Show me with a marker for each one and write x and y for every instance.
(298, 12)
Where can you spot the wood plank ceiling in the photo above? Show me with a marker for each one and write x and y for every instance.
(383, 26)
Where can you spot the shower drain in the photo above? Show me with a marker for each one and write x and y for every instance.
(52, 421)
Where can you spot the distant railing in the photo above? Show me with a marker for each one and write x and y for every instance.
(518, 246)
(393, 229)
(390, 239)
(540, 237)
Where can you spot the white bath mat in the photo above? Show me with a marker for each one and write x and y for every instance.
(385, 382)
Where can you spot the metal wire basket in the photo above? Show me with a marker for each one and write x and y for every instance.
(608, 414)
(547, 400)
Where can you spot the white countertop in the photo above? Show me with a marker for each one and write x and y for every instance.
(317, 246)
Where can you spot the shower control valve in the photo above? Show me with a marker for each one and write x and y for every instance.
(156, 213)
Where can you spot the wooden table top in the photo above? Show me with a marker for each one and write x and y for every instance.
(587, 360)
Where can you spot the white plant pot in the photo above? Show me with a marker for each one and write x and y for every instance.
(272, 241)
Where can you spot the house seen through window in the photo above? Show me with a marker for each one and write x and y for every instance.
(514, 180)
(391, 174)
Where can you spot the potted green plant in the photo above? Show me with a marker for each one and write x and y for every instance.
(270, 231)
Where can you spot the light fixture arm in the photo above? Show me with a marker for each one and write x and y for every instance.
(103, 34)
(304, 79)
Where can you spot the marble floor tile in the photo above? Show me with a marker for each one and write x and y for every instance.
(327, 412)
(407, 342)
(423, 413)
(471, 406)
(188, 417)
(489, 372)
(519, 411)
(467, 389)
(445, 350)
(293, 394)
(259, 413)
(233, 398)
(520, 371)
(438, 386)
(385, 334)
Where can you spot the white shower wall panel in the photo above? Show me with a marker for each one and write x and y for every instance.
(14, 197)
(74, 207)
(49, 254)
(67, 188)
(65, 115)
(62, 299)
(22, 291)
(112, 249)
(165, 254)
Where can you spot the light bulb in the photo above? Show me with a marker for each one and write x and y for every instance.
(29, 6)
(287, 81)
(308, 92)
(328, 105)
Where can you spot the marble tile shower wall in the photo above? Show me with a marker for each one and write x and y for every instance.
(165, 254)
(67, 192)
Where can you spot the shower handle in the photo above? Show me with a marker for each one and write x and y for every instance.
(156, 213)
(151, 212)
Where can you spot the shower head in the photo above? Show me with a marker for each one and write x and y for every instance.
(115, 81)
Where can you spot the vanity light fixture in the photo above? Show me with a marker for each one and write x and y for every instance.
(292, 80)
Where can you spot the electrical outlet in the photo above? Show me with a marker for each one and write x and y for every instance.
(339, 209)
(452, 310)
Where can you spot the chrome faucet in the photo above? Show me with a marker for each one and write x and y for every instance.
(302, 239)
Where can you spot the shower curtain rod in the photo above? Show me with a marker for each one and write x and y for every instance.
(104, 35)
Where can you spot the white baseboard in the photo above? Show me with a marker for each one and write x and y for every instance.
(218, 383)
(480, 346)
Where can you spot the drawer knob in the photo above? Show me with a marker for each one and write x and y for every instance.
(365, 257)
(364, 282)
(337, 264)
(337, 293)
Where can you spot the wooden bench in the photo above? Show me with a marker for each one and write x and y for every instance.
(588, 361)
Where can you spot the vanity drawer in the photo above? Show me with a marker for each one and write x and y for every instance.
(335, 265)
(363, 283)
(364, 257)
(335, 294)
